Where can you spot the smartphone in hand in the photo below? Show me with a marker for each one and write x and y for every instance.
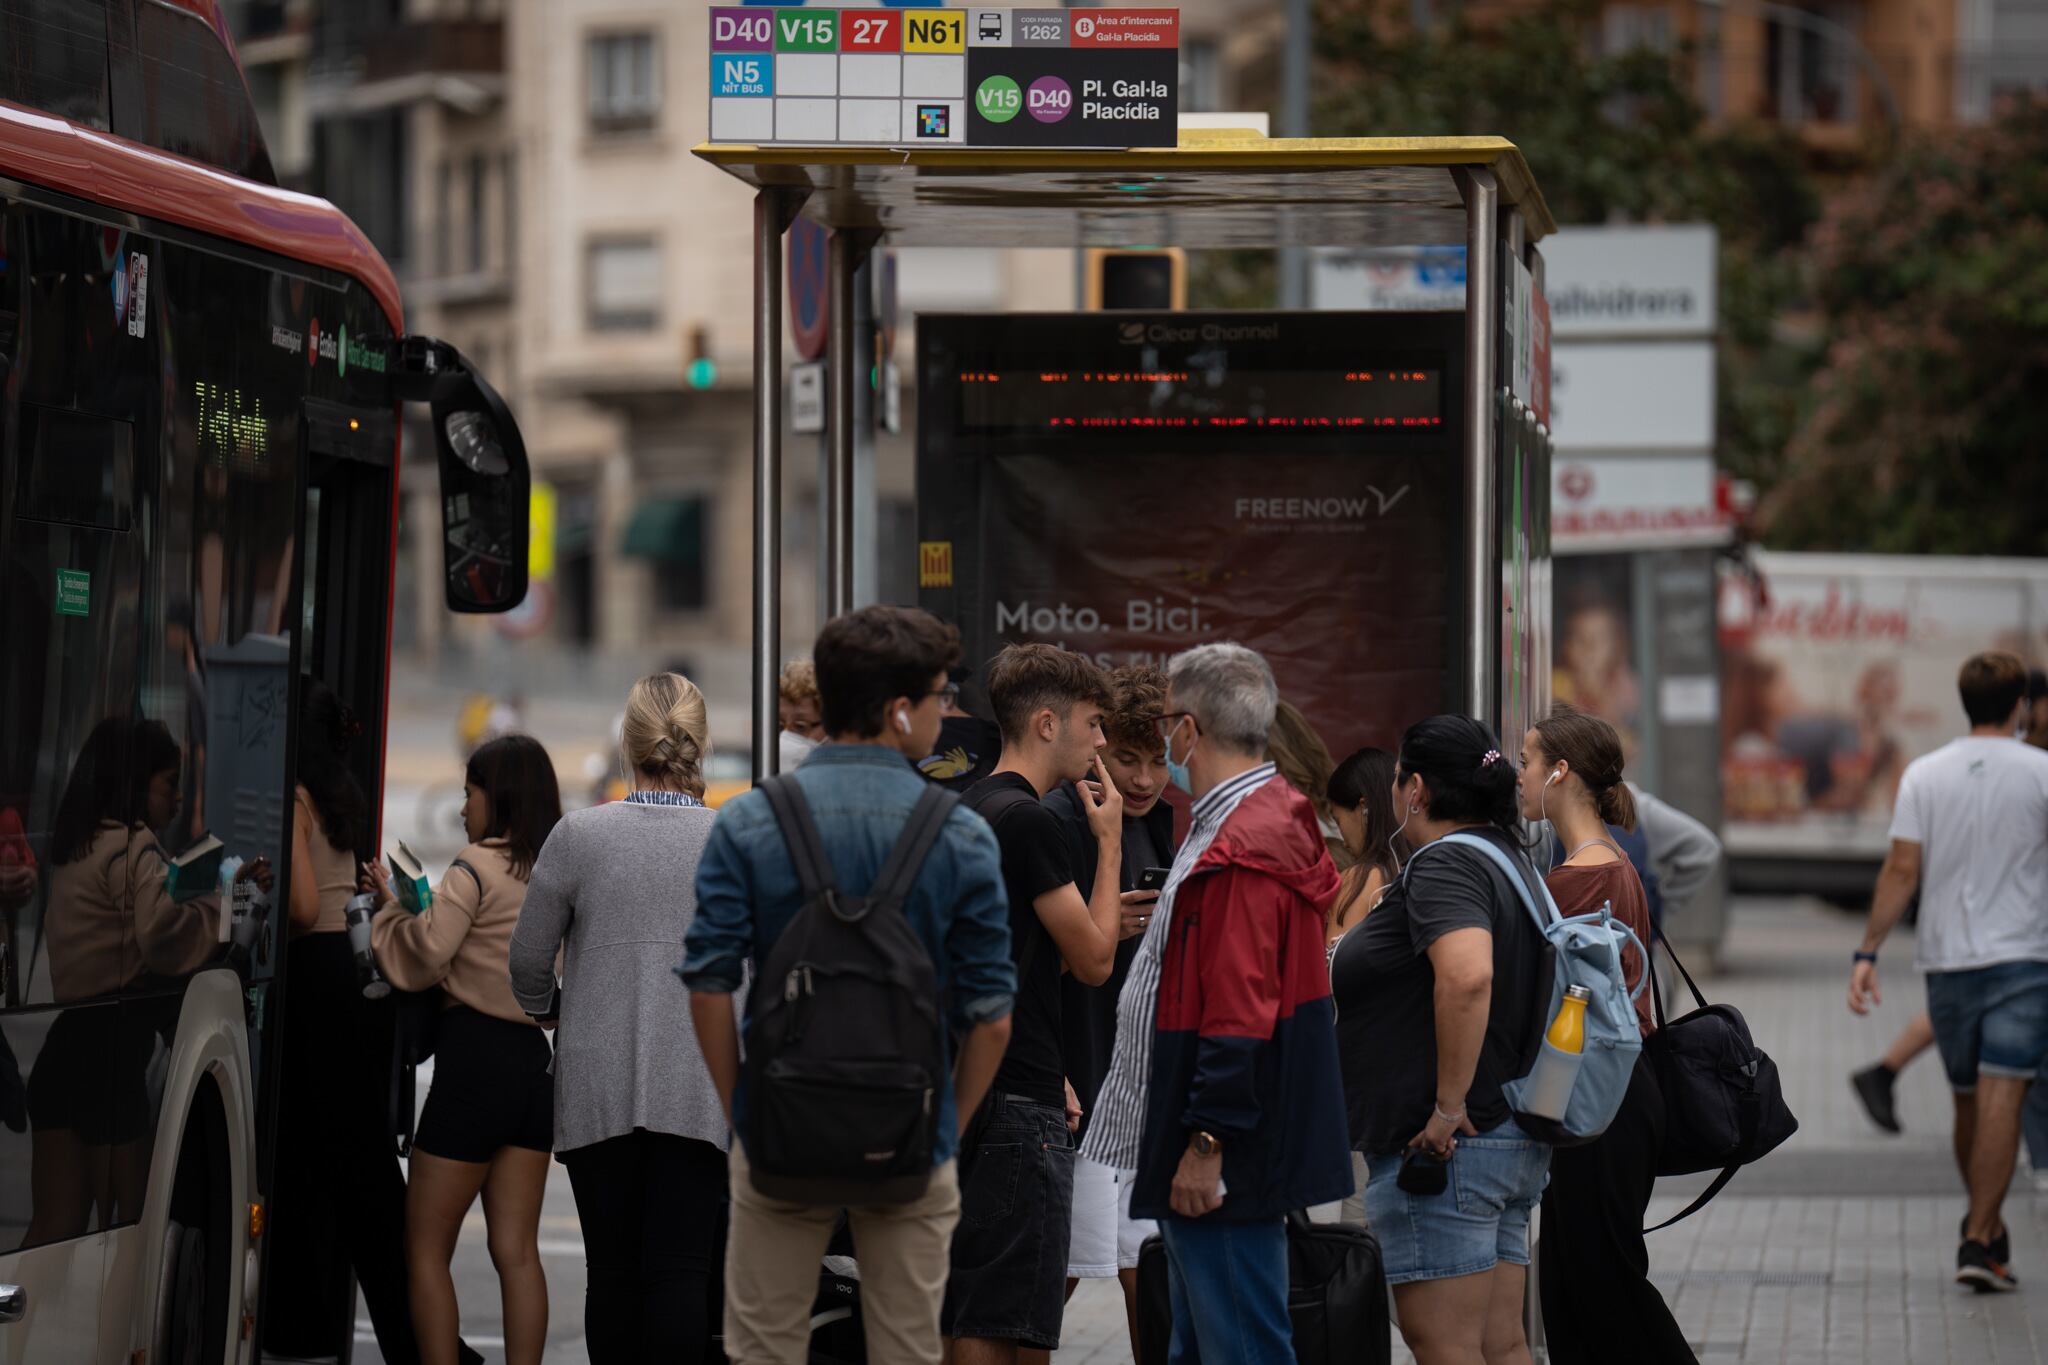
(1154, 878)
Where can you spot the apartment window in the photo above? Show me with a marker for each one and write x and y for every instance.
(1201, 76)
(476, 212)
(624, 284)
(444, 217)
(625, 83)
(1631, 28)
(1810, 69)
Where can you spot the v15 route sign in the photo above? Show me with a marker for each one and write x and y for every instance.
(970, 77)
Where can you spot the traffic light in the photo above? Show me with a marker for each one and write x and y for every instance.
(1150, 279)
(700, 371)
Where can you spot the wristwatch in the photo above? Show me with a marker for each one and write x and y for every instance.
(1205, 1144)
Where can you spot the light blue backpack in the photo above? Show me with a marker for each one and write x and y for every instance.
(1587, 951)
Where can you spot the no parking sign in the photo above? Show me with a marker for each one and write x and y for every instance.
(809, 245)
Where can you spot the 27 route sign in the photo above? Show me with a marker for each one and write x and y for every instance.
(972, 77)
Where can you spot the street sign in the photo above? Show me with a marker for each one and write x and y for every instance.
(809, 294)
(1631, 397)
(1399, 279)
(1631, 281)
(807, 397)
(916, 77)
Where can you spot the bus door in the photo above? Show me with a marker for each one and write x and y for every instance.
(350, 483)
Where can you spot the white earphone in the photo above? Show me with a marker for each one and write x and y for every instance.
(903, 720)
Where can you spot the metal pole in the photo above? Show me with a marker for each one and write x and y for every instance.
(773, 210)
(849, 250)
(1294, 83)
(867, 372)
(1482, 346)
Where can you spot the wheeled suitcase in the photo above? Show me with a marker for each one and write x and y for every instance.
(1336, 1297)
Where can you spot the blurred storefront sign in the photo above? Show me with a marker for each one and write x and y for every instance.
(1622, 396)
(1631, 501)
(1631, 281)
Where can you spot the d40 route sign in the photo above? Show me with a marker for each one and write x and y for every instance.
(972, 77)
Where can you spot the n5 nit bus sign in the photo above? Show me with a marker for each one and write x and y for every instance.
(970, 77)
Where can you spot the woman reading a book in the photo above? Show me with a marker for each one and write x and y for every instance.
(113, 921)
(488, 1126)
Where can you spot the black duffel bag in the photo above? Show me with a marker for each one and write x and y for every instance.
(1336, 1296)
(1723, 1104)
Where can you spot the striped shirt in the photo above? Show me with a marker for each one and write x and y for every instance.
(1118, 1123)
(658, 796)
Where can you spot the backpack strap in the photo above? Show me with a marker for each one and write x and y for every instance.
(800, 833)
(899, 874)
(1514, 875)
(474, 876)
(1543, 926)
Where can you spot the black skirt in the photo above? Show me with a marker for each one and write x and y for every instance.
(492, 1088)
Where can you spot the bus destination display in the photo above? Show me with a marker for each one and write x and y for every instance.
(976, 77)
(1362, 397)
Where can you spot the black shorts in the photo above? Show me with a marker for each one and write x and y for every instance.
(1009, 1276)
(491, 1088)
(91, 1075)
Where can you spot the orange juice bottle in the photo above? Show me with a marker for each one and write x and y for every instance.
(1549, 1087)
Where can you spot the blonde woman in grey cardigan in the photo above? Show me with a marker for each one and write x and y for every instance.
(637, 1121)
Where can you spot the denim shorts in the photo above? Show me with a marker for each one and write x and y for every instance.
(1990, 1020)
(1009, 1269)
(1481, 1218)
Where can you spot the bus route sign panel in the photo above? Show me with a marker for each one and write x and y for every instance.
(973, 77)
(74, 592)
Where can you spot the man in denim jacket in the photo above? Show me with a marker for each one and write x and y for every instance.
(882, 678)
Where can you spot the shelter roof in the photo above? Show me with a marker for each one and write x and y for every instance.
(1218, 188)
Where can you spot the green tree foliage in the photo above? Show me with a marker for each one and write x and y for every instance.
(1926, 428)
(1610, 137)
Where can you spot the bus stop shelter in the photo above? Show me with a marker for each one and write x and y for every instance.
(1225, 189)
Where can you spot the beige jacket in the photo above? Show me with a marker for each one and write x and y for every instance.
(111, 922)
(464, 943)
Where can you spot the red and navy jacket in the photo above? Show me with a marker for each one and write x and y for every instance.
(1245, 1045)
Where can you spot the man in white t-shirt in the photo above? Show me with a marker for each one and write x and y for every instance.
(1970, 834)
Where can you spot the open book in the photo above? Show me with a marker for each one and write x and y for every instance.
(196, 871)
(409, 879)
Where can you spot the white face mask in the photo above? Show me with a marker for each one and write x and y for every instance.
(792, 749)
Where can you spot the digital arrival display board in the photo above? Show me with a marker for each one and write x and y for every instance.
(1128, 485)
(1104, 78)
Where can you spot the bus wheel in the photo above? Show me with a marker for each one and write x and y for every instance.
(192, 1293)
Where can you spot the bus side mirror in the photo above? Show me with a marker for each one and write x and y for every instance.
(486, 488)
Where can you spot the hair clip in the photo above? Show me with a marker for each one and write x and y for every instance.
(1489, 758)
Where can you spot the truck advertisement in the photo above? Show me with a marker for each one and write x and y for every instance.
(1839, 673)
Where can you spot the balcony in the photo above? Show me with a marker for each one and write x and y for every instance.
(361, 67)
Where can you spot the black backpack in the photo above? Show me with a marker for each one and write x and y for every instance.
(1723, 1104)
(845, 1053)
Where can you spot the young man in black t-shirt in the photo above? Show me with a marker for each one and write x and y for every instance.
(1105, 1238)
(1007, 1288)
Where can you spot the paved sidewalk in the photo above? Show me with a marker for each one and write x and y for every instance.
(1840, 1247)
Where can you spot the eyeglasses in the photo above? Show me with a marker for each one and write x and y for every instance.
(1164, 725)
(947, 695)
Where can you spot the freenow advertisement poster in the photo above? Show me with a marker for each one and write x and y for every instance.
(1130, 487)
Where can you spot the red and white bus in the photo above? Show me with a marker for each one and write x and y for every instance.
(200, 385)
